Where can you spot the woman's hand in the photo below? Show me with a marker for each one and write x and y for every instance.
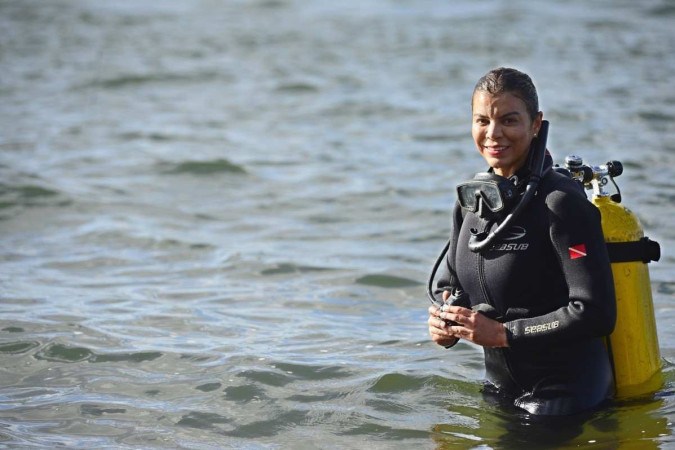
(438, 328)
(472, 326)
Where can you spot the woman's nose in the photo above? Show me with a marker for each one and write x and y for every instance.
(493, 131)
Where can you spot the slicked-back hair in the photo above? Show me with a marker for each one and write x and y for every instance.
(515, 82)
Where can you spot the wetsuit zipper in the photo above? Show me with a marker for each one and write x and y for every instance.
(486, 295)
(481, 272)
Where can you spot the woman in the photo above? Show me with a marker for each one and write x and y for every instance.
(541, 296)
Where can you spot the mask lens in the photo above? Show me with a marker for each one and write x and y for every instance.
(468, 194)
(492, 196)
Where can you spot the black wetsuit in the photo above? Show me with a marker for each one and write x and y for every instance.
(548, 279)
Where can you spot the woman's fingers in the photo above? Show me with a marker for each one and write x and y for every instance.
(461, 316)
(477, 328)
(436, 322)
(440, 330)
(441, 337)
(452, 322)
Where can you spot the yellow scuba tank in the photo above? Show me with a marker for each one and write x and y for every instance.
(633, 344)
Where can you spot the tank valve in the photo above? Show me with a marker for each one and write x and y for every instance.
(595, 177)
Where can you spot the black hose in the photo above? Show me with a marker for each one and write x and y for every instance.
(430, 283)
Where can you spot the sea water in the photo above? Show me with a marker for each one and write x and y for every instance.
(217, 217)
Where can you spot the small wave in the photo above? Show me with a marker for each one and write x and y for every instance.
(384, 432)
(131, 357)
(27, 195)
(202, 420)
(435, 137)
(244, 394)
(64, 353)
(272, 4)
(205, 167)
(270, 427)
(156, 137)
(70, 354)
(313, 398)
(396, 382)
(387, 281)
(126, 80)
(297, 88)
(665, 287)
(287, 268)
(650, 116)
(267, 378)
(351, 109)
(17, 347)
(13, 329)
(209, 387)
(390, 406)
(98, 411)
(665, 10)
(27, 191)
(307, 372)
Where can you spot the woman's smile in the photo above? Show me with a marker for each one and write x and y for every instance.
(495, 150)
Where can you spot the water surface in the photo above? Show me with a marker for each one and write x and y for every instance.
(217, 218)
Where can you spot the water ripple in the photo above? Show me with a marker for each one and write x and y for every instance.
(218, 217)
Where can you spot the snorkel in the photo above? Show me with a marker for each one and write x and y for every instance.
(481, 241)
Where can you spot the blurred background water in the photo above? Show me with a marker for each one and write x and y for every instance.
(217, 217)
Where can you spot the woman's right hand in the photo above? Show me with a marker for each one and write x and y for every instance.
(438, 327)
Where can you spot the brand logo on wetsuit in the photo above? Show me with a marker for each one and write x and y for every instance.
(542, 327)
(513, 234)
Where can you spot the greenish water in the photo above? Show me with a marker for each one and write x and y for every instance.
(217, 218)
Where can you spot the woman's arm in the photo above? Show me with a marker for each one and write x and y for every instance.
(439, 329)
(576, 235)
(447, 278)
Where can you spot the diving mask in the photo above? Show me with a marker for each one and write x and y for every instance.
(487, 190)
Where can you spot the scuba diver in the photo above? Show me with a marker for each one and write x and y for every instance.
(526, 272)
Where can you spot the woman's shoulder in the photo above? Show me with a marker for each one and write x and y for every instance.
(565, 196)
(559, 185)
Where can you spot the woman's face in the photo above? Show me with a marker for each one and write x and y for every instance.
(502, 130)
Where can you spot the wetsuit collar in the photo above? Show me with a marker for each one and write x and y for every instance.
(522, 175)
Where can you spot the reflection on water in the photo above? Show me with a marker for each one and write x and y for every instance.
(638, 423)
(217, 218)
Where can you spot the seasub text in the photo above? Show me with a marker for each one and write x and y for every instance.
(543, 327)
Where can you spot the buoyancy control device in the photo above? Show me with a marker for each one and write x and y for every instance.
(633, 344)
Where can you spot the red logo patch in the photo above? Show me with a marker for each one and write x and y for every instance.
(577, 251)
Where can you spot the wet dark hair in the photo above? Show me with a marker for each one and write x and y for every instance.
(513, 81)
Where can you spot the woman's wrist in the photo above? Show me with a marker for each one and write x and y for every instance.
(505, 336)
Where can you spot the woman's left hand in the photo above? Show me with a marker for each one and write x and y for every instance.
(475, 327)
